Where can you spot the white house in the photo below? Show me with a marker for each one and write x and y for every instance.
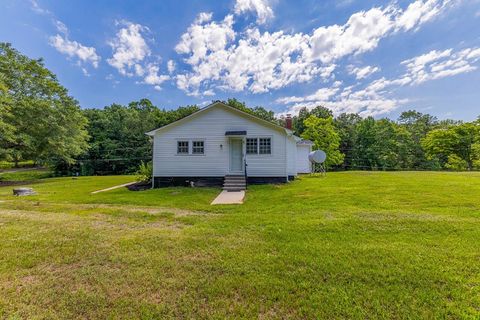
(220, 144)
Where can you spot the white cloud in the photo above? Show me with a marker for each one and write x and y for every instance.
(376, 97)
(361, 73)
(209, 93)
(152, 77)
(419, 12)
(366, 102)
(440, 64)
(171, 66)
(36, 7)
(131, 54)
(129, 48)
(262, 61)
(201, 39)
(203, 17)
(73, 49)
(322, 94)
(61, 27)
(361, 33)
(260, 7)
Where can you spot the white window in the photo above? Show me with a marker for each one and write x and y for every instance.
(198, 147)
(182, 147)
(259, 145)
(264, 146)
(252, 145)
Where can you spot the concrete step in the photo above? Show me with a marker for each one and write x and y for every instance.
(233, 189)
(234, 185)
(234, 181)
(235, 178)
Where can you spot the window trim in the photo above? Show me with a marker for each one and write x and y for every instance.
(203, 147)
(256, 146)
(270, 145)
(190, 146)
(257, 153)
(178, 147)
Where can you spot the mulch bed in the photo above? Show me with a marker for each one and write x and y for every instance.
(140, 186)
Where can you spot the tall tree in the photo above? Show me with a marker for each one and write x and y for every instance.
(346, 124)
(258, 111)
(322, 133)
(304, 113)
(376, 146)
(7, 131)
(456, 147)
(48, 122)
(416, 126)
(118, 143)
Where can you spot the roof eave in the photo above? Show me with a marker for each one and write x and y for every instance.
(265, 122)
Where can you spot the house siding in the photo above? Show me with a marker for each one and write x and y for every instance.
(303, 163)
(291, 156)
(210, 126)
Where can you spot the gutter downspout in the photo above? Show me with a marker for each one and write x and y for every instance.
(153, 162)
(286, 158)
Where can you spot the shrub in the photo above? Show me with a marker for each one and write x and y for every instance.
(145, 172)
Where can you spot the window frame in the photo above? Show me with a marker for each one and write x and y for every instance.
(257, 152)
(190, 142)
(269, 139)
(246, 145)
(178, 147)
(193, 147)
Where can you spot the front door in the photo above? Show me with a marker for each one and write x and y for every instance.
(236, 157)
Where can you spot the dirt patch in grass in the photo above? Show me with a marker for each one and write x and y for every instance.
(58, 207)
(17, 183)
(149, 210)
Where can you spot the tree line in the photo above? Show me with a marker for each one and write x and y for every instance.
(415, 141)
(40, 121)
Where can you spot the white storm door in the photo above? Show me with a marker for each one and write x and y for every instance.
(236, 158)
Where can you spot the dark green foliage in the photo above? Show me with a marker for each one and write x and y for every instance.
(346, 124)
(321, 131)
(38, 119)
(118, 143)
(416, 126)
(456, 147)
(304, 113)
(260, 112)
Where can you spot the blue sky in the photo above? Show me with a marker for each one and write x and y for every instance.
(373, 57)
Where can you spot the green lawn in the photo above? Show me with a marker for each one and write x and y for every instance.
(351, 245)
(28, 174)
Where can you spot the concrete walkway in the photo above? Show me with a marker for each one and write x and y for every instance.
(115, 187)
(232, 197)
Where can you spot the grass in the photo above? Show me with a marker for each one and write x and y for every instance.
(11, 165)
(352, 245)
(26, 175)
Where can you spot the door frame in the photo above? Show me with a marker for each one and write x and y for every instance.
(242, 155)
